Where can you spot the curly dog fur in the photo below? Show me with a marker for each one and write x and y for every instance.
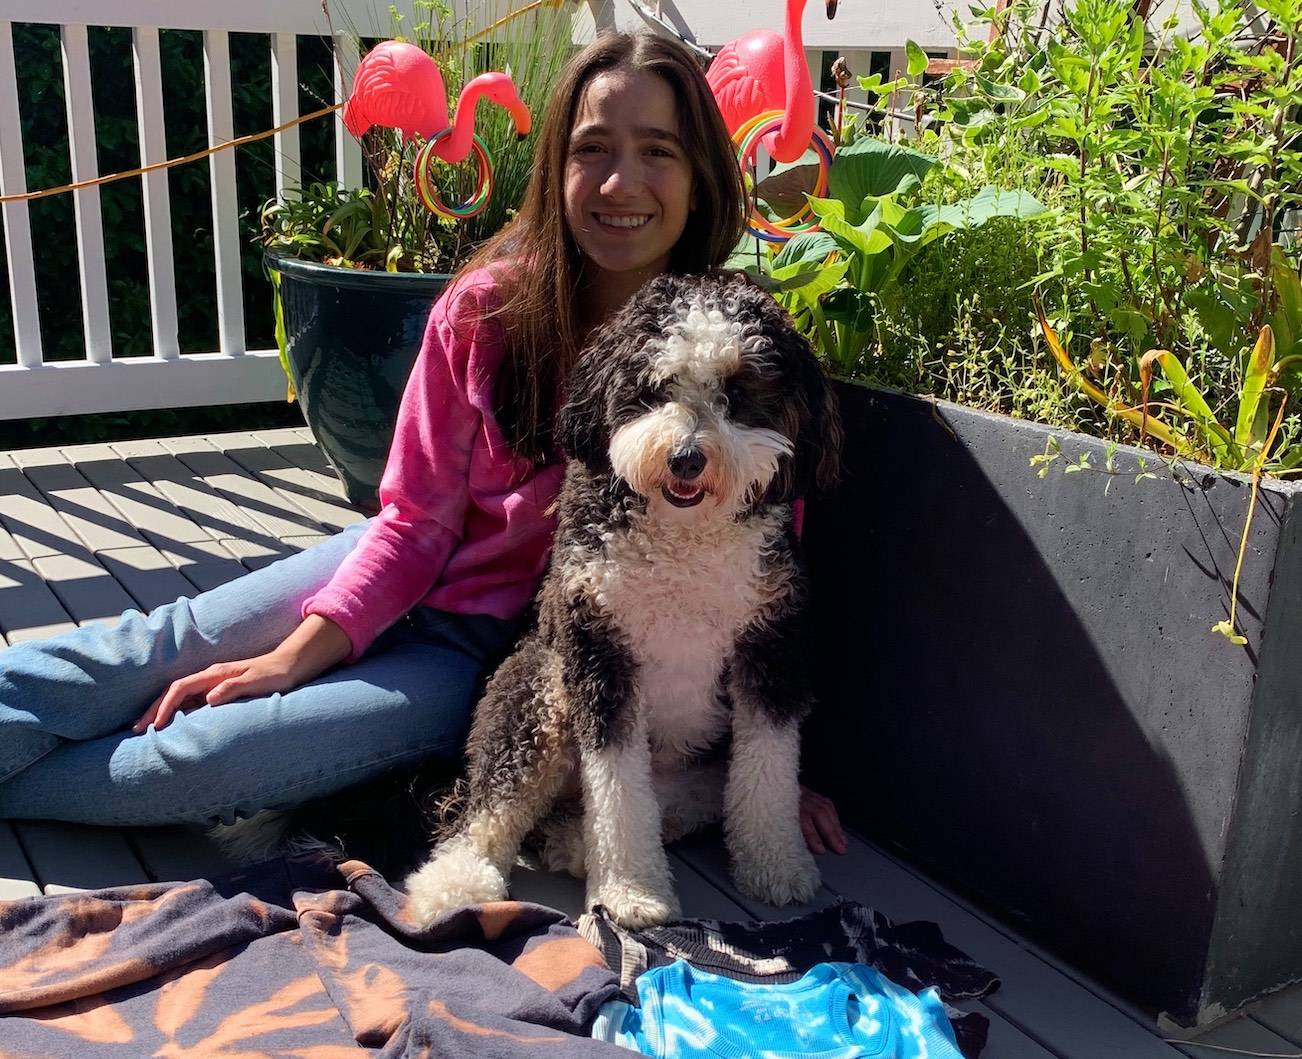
(666, 678)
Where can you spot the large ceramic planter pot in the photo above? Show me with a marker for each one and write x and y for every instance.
(352, 338)
(1023, 694)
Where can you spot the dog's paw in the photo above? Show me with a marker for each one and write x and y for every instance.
(782, 879)
(452, 878)
(634, 907)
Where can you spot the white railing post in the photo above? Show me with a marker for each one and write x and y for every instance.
(225, 211)
(18, 225)
(348, 153)
(90, 222)
(158, 214)
(284, 106)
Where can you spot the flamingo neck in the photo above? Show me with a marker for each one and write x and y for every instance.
(456, 145)
(798, 123)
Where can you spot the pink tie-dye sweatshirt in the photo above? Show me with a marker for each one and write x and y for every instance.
(463, 525)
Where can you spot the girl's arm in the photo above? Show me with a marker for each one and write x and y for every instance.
(306, 653)
(425, 491)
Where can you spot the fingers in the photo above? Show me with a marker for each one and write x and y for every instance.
(147, 718)
(230, 690)
(818, 816)
(812, 838)
(828, 825)
(181, 694)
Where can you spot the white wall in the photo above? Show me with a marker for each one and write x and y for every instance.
(860, 25)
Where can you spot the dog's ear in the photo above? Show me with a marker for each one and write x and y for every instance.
(813, 419)
(818, 446)
(582, 430)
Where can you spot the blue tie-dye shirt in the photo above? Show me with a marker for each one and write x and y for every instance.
(836, 1011)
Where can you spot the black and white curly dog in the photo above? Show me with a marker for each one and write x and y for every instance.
(664, 684)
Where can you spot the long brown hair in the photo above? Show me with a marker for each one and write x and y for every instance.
(537, 310)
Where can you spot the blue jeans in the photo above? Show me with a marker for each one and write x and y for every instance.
(67, 704)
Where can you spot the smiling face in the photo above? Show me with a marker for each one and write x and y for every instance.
(628, 182)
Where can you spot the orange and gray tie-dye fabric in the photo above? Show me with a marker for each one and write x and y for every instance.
(291, 959)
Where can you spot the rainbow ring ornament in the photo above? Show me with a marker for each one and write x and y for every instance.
(747, 138)
(429, 196)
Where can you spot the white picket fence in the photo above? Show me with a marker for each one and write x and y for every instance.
(103, 382)
(231, 373)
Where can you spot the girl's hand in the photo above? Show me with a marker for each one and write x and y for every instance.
(311, 649)
(218, 685)
(820, 824)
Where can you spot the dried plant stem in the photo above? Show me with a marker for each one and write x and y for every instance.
(1252, 508)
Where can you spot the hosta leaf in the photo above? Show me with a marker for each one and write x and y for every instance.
(866, 238)
(874, 168)
(807, 246)
(810, 282)
(851, 307)
(785, 188)
(985, 205)
(746, 253)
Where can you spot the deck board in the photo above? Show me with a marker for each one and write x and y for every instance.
(1282, 1013)
(135, 498)
(147, 575)
(88, 530)
(1244, 1035)
(176, 854)
(87, 512)
(71, 857)
(28, 609)
(36, 527)
(277, 516)
(17, 879)
(314, 491)
(189, 493)
(86, 589)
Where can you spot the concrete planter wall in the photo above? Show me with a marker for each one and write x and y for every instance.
(1023, 694)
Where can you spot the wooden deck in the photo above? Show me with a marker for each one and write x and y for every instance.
(88, 531)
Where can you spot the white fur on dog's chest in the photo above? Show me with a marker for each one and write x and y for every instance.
(681, 595)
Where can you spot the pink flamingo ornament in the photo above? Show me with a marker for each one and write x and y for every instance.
(762, 71)
(399, 86)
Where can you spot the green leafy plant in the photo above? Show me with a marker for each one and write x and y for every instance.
(1169, 154)
(873, 224)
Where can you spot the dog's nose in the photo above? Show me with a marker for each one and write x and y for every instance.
(687, 464)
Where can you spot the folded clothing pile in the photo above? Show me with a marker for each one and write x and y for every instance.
(304, 958)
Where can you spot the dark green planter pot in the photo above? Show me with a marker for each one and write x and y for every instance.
(352, 338)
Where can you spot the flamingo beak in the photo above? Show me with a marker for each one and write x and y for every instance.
(831, 8)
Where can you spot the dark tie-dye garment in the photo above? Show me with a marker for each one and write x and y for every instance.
(914, 955)
(291, 959)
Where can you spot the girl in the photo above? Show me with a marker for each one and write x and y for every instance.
(365, 651)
